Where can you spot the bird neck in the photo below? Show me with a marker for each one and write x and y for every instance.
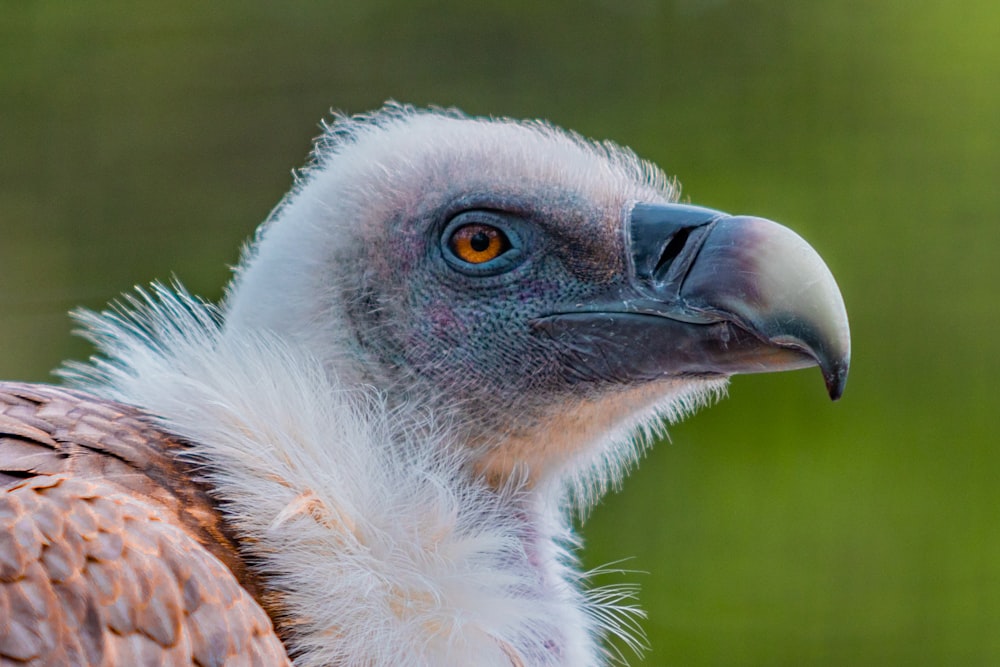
(361, 518)
(580, 444)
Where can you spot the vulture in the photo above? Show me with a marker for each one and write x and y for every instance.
(451, 336)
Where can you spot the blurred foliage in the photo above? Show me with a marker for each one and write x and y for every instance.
(140, 140)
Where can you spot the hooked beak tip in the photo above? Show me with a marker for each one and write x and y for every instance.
(835, 376)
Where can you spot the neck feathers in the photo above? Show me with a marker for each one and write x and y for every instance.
(365, 521)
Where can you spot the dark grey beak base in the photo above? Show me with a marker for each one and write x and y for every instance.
(710, 294)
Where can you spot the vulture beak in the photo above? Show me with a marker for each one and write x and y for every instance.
(708, 294)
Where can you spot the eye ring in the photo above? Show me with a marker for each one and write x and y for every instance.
(478, 243)
(483, 242)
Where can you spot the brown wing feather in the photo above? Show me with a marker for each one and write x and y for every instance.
(110, 552)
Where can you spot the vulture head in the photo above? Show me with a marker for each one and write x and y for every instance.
(542, 294)
(447, 335)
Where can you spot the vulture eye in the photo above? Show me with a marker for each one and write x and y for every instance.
(477, 243)
(483, 242)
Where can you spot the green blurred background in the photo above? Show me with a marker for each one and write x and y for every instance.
(142, 140)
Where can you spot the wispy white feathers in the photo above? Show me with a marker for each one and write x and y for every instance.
(386, 551)
(602, 465)
(562, 148)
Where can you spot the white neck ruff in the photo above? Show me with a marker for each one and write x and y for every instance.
(384, 549)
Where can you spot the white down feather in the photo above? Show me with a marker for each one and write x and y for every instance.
(387, 551)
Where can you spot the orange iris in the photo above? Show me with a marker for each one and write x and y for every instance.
(477, 243)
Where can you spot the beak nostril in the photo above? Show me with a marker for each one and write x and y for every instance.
(671, 251)
(659, 238)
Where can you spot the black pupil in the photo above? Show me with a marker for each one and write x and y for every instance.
(480, 241)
